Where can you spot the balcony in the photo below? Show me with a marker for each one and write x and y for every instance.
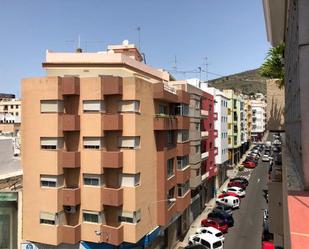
(183, 122)
(71, 234)
(195, 181)
(216, 133)
(112, 235)
(183, 175)
(164, 92)
(70, 122)
(71, 196)
(112, 85)
(204, 134)
(112, 122)
(204, 155)
(183, 149)
(183, 202)
(165, 123)
(183, 97)
(215, 116)
(70, 159)
(112, 196)
(112, 159)
(70, 86)
(204, 113)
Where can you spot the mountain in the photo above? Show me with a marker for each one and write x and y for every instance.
(247, 82)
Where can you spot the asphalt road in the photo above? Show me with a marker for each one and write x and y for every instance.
(247, 230)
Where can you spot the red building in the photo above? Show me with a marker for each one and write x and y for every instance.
(208, 149)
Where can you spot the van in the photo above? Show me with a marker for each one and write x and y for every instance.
(230, 201)
(207, 240)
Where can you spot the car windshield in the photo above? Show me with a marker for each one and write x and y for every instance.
(205, 243)
(219, 234)
(217, 244)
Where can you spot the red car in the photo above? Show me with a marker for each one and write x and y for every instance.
(227, 194)
(249, 164)
(237, 184)
(216, 223)
(268, 245)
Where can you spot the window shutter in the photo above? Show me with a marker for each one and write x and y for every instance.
(52, 141)
(92, 141)
(51, 106)
(93, 105)
(129, 142)
(47, 216)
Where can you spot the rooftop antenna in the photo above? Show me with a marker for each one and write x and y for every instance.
(206, 69)
(78, 49)
(175, 63)
(139, 37)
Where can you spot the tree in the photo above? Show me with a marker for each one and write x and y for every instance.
(273, 67)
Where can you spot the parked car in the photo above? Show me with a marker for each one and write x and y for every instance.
(207, 240)
(278, 159)
(276, 149)
(236, 190)
(266, 158)
(268, 245)
(227, 194)
(252, 159)
(219, 214)
(211, 230)
(277, 142)
(196, 247)
(237, 184)
(230, 201)
(224, 208)
(249, 164)
(216, 223)
(240, 179)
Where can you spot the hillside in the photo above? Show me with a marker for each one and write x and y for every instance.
(247, 82)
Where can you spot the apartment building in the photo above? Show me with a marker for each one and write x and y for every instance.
(10, 115)
(196, 114)
(221, 126)
(258, 119)
(248, 109)
(287, 21)
(107, 160)
(234, 126)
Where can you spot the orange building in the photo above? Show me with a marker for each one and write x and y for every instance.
(102, 156)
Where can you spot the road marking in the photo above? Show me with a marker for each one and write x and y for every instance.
(259, 180)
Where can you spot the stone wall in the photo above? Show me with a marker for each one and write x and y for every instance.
(275, 106)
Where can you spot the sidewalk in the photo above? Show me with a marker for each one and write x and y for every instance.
(210, 206)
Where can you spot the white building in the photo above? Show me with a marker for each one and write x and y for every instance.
(221, 125)
(258, 119)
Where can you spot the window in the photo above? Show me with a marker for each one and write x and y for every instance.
(129, 106)
(230, 140)
(93, 217)
(182, 109)
(229, 126)
(197, 148)
(182, 162)
(93, 179)
(197, 104)
(229, 111)
(51, 143)
(163, 109)
(182, 189)
(49, 218)
(197, 126)
(51, 181)
(170, 195)
(51, 106)
(170, 167)
(93, 142)
(129, 142)
(170, 138)
(182, 136)
(17, 106)
(130, 180)
(93, 106)
(130, 217)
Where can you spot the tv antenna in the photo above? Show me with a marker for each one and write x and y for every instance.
(139, 37)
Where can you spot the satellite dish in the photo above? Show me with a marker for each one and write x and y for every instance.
(125, 42)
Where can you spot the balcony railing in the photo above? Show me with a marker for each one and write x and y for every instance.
(112, 122)
(216, 133)
(71, 196)
(70, 159)
(70, 86)
(183, 123)
(205, 155)
(183, 97)
(183, 149)
(71, 234)
(112, 85)
(164, 92)
(204, 113)
(204, 134)
(112, 235)
(112, 159)
(183, 202)
(216, 151)
(70, 122)
(215, 116)
(165, 122)
(112, 196)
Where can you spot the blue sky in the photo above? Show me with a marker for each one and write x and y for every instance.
(230, 33)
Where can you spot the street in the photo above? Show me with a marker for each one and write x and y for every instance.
(247, 231)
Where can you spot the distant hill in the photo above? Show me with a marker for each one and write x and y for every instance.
(247, 82)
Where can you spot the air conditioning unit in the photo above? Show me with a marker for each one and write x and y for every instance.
(70, 209)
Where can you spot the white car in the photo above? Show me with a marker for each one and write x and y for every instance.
(230, 201)
(265, 158)
(277, 142)
(207, 240)
(236, 190)
(210, 230)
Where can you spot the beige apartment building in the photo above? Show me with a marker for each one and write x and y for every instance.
(106, 160)
(10, 115)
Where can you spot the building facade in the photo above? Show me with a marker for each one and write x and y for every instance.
(112, 135)
(287, 22)
(258, 119)
(10, 115)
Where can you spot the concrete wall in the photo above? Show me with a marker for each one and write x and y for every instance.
(275, 106)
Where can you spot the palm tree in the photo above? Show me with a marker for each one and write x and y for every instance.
(273, 67)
